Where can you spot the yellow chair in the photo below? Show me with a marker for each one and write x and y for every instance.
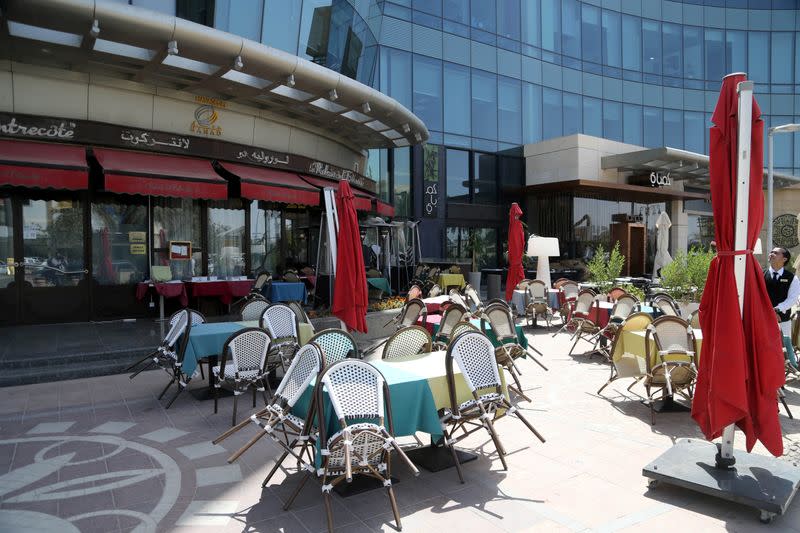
(625, 364)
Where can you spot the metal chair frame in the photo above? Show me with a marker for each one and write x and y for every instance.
(583, 327)
(408, 341)
(451, 316)
(281, 322)
(247, 351)
(336, 344)
(570, 290)
(538, 306)
(409, 314)
(631, 320)
(473, 353)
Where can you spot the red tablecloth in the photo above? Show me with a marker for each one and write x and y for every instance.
(429, 323)
(434, 304)
(167, 290)
(225, 290)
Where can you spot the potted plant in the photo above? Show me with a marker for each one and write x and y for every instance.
(685, 277)
(604, 268)
(474, 248)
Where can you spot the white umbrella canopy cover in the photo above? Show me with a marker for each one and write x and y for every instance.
(662, 259)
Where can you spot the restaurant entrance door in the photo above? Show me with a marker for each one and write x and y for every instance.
(43, 272)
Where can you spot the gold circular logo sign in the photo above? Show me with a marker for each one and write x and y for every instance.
(784, 231)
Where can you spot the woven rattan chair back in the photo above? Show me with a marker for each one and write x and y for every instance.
(523, 285)
(435, 291)
(355, 389)
(456, 298)
(474, 354)
(246, 351)
(570, 290)
(463, 327)
(306, 365)
(615, 293)
(414, 292)
(584, 302)
(336, 345)
(196, 317)
(694, 321)
(179, 326)
(537, 290)
(411, 312)
(280, 321)
(291, 276)
(433, 274)
(253, 309)
(634, 322)
(261, 280)
(559, 282)
(298, 310)
(452, 315)
(667, 306)
(473, 297)
(672, 333)
(623, 307)
(499, 316)
(407, 341)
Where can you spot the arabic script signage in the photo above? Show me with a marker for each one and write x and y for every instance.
(92, 133)
(430, 173)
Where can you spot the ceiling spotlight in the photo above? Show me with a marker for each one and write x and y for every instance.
(172, 48)
(289, 80)
(94, 31)
(406, 128)
(365, 107)
(238, 64)
(333, 95)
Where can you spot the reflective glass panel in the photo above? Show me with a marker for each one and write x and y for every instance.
(572, 113)
(457, 99)
(6, 243)
(673, 45)
(510, 110)
(631, 42)
(402, 182)
(653, 127)
(612, 38)
(428, 91)
(651, 46)
(692, 53)
(736, 51)
(457, 175)
(632, 124)
(241, 17)
(52, 242)
(673, 128)
(612, 120)
(782, 57)
(484, 104)
(119, 243)
(551, 108)
(177, 219)
(265, 238)
(457, 10)
(592, 116)
(508, 19)
(281, 25)
(485, 180)
(483, 15)
(551, 25)
(591, 34)
(531, 113)
(694, 132)
(571, 28)
(715, 55)
(396, 75)
(531, 19)
(758, 56)
(225, 242)
(314, 30)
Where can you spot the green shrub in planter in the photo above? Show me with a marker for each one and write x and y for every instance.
(685, 277)
(605, 268)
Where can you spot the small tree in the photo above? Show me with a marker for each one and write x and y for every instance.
(685, 277)
(604, 270)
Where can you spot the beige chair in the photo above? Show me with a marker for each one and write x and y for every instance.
(451, 316)
(538, 306)
(411, 340)
(581, 323)
(628, 365)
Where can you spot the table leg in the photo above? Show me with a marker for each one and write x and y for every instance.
(437, 457)
(207, 393)
(161, 313)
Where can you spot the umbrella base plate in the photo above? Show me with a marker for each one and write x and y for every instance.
(669, 405)
(436, 458)
(765, 483)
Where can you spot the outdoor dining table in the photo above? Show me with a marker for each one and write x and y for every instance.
(434, 304)
(447, 281)
(225, 290)
(380, 284)
(519, 299)
(417, 390)
(169, 289)
(432, 325)
(207, 340)
(288, 291)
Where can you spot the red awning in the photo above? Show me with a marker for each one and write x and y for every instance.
(160, 175)
(43, 165)
(362, 200)
(259, 183)
(384, 210)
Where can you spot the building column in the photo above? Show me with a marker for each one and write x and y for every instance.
(679, 232)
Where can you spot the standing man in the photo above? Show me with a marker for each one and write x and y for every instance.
(783, 287)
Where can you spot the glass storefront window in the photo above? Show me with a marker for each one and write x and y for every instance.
(119, 243)
(458, 246)
(226, 242)
(402, 182)
(700, 231)
(6, 243)
(52, 239)
(265, 238)
(378, 171)
(177, 219)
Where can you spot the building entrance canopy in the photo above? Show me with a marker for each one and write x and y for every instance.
(43, 165)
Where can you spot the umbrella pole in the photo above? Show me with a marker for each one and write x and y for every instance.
(725, 458)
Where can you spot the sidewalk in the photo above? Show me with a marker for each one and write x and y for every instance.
(101, 454)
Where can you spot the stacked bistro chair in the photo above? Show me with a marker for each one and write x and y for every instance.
(297, 307)
(409, 314)
(614, 293)
(255, 292)
(458, 299)
(538, 306)
(195, 318)
(281, 323)
(475, 303)
(581, 324)
(523, 285)
(451, 316)
(293, 434)
(243, 365)
(570, 290)
(627, 365)
(411, 340)
(291, 276)
(499, 316)
(253, 309)
(414, 292)
(357, 391)
(473, 353)
(434, 291)
(169, 354)
(666, 304)
(623, 307)
(461, 327)
(336, 344)
(671, 360)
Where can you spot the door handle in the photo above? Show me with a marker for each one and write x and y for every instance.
(85, 271)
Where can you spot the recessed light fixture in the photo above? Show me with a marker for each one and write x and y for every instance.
(172, 48)
(26, 31)
(94, 31)
(238, 64)
(365, 107)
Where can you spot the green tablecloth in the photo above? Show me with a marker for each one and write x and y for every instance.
(380, 283)
(207, 340)
(521, 338)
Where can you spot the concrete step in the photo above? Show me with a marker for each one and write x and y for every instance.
(63, 371)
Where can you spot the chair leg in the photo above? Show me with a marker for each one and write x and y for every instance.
(297, 490)
(216, 394)
(145, 367)
(254, 395)
(527, 424)
(326, 496)
(610, 379)
(175, 396)
(235, 402)
(395, 511)
(202, 374)
(167, 387)
(274, 469)
(519, 385)
(456, 461)
(501, 452)
(573, 345)
(264, 392)
(785, 405)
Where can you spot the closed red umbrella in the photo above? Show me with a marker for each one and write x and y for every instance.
(516, 243)
(350, 287)
(741, 365)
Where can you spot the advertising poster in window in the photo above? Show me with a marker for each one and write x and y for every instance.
(430, 165)
(180, 250)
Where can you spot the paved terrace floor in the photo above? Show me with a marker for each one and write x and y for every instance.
(101, 454)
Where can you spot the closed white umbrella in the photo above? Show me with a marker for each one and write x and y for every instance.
(663, 223)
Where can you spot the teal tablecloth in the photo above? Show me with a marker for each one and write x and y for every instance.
(380, 283)
(789, 349)
(413, 407)
(521, 338)
(206, 340)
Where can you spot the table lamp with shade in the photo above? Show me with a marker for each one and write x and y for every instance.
(542, 248)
